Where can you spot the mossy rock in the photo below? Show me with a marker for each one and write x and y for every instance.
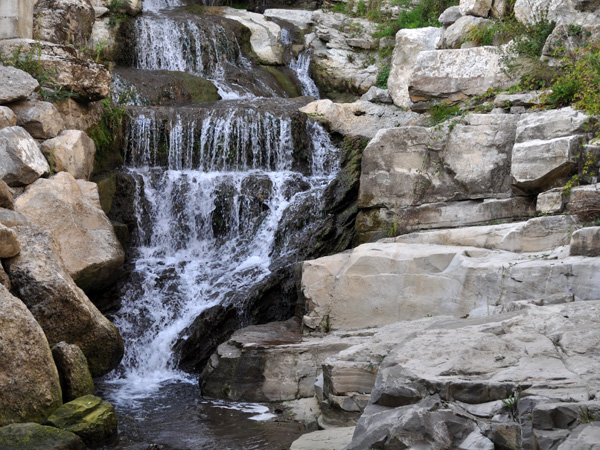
(75, 377)
(90, 418)
(32, 436)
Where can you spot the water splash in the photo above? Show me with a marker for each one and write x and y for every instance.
(212, 193)
(301, 66)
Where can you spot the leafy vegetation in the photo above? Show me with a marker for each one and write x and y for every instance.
(382, 77)
(442, 112)
(425, 14)
(108, 136)
(31, 62)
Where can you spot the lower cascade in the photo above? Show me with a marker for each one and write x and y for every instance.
(212, 188)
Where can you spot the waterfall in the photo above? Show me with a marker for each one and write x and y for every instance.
(301, 66)
(213, 188)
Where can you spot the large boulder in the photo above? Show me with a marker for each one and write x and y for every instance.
(64, 21)
(74, 72)
(410, 281)
(40, 119)
(90, 418)
(360, 118)
(79, 116)
(21, 161)
(479, 8)
(15, 84)
(456, 75)
(574, 12)
(73, 371)
(71, 209)
(64, 312)
(28, 378)
(458, 33)
(32, 436)
(265, 37)
(73, 151)
(409, 43)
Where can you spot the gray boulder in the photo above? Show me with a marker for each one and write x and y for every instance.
(40, 119)
(584, 437)
(586, 242)
(377, 95)
(458, 33)
(479, 8)
(28, 378)
(64, 312)
(15, 84)
(450, 15)
(21, 161)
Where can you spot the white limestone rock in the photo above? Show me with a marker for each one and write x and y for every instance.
(15, 84)
(480, 8)
(21, 161)
(72, 151)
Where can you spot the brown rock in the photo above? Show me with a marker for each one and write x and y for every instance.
(75, 377)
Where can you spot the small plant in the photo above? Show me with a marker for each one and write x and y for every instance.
(425, 14)
(512, 404)
(585, 415)
(382, 77)
(442, 112)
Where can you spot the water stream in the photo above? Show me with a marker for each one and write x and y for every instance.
(214, 184)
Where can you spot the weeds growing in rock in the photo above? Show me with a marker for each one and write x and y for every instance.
(108, 136)
(30, 61)
(382, 77)
(425, 14)
(442, 111)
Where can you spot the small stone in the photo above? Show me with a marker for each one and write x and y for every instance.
(7, 117)
(375, 94)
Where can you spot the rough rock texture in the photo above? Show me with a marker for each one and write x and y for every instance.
(7, 117)
(21, 161)
(73, 151)
(377, 95)
(40, 279)
(301, 19)
(479, 8)
(456, 34)
(501, 371)
(334, 439)
(360, 118)
(545, 148)
(576, 12)
(28, 378)
(265, 35)
(563, 41)
(63, 21)
(15, 84)
(455, 75)
(408, 171)
(409, 43)
(40, 119)
(80, 75)
(71, 209)
(450, 15)
(79, 116)
(271, 362)
(9, 243)
(90, 418)
(586, 242)
(31, 436)
(336, 66)
(75, 377)
(412, 280)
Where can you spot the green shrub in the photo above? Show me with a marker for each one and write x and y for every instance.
(382, 77)
(442, 112)
(425, 14)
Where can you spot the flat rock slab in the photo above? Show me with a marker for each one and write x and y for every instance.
(334, 439)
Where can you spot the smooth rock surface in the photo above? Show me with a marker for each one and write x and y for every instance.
(15, 84)
(301, 19)
(72, 151)
(40, 279)
(334, 439)
(586, 242)
(377, 95)
(75, 377)
(457, 33)
(409, 43)
(265, 35)
(40, 119)
(32, 436)
(90, 418)
(28, 378)
(21, 161)
(71, 209)
(450, 15)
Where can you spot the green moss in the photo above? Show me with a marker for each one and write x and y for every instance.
(283, 80)
(108, 137)
(31, 436)
(199, 89)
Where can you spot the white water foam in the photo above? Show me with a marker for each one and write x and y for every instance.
(301, 66)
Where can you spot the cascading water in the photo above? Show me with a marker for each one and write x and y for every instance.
(301, 67)
(215, 186)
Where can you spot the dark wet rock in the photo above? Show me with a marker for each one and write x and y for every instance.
(32, 436)
(75, 378)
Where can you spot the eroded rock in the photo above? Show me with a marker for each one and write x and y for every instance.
(15, 84)
(21, 161)
(40, 119)
(72, 151)
(64, 21)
